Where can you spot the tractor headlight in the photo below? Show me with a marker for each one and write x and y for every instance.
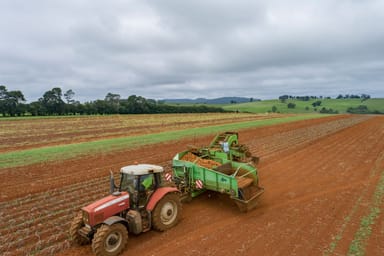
(85, 217)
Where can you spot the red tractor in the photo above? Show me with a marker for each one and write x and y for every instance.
(142, 202)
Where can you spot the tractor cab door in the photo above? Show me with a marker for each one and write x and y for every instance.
(146, 186)
(131, 184)
(140, 188)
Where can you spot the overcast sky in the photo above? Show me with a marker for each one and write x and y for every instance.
(190, 49)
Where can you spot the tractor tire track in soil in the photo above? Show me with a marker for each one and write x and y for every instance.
(314, 173)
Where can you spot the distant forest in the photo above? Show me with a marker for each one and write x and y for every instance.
(55, 102)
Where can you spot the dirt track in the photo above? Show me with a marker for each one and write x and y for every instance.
(319, 178)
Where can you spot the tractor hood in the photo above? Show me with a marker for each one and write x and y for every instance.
(106, 207)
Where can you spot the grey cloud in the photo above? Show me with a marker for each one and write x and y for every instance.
(163, 49)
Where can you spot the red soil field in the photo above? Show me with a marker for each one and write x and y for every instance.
(320, 177)
(18, 134)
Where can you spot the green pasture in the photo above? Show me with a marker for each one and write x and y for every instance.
(62, 152)
(340, 105)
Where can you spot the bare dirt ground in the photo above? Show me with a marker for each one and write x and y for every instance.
(321, 179)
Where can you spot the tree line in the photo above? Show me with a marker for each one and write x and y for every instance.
(55, 102)
(352, 96)
(363, 97)
(283, 98)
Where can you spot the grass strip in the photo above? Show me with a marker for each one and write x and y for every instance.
(358, 244)
(339, 235)
(356, 206)
(62, 152)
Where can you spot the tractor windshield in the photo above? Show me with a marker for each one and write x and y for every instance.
(128, 182)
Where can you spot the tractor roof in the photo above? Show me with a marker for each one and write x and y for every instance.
(141, 169)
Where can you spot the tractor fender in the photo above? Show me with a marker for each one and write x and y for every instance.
(115, 219)
(158, 195)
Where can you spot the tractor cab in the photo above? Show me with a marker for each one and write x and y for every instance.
(140, 181)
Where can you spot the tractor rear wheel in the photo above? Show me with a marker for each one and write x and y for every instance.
(77, 223)
(167, 212)
(110, 240)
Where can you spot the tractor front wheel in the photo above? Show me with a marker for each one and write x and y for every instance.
(167, 212)
(110, 240)
(77, 224)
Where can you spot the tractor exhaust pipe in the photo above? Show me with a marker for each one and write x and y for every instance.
(112, 185)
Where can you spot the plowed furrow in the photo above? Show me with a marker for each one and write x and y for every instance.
(266, 147)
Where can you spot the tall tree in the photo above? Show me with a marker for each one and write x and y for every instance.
(72, 105)
(52, 102)
(11, 102)
(112, 103)
(3, 93)
(68, 95)
(137, 105)
(14, 102)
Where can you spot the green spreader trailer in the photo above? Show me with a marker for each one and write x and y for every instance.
(197, 171)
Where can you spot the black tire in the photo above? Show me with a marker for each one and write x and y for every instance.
(167, 212)
(110, 240)
(76, 224)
